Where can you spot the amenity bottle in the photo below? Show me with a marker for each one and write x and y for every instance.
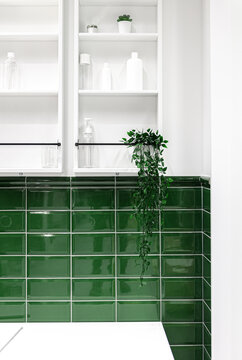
(134, 73)
(106, 83)
(85, 72)
(10, 72)
(88, 137)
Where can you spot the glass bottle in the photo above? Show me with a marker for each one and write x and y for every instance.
(10, 72)
(49, 157)
(88, 137)
(85, 72)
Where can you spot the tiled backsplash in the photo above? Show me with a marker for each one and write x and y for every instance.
(68, 252)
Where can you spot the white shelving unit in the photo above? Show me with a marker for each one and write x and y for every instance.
(32, 113)
(118, 111)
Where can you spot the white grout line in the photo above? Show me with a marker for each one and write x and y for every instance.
(202, 265)
(102, 255)
(116, 250)
(71, 257)
(103, 300)
(206, 351)
(26, 251)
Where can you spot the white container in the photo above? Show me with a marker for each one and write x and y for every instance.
(134, 73)
(92, 29)
(124, 27)
(49, 157)
(106, 81)
(87, 136)
(85, 72)
(11, 80)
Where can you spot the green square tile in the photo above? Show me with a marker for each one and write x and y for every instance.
(92, 199)
(93, 244)
(207, 340)
(14, 181)
(181, 266)
(49, 312)
(181, 288)
(127, 222)
(12, 289)
(12, 199)
(125, 198)
(93, 221)
(138, 311)
(131, 266)
(59, 181)
(93, 289)
(206, 199)
(207, 270)
(187, 352)
(184, 334)
(12, 312)
(129, 243)
(131, 289)
(44, 267)
(181, 243)
(184, 198)
(207, 293)
(126, 181)
(93, 266)
(57, 289)
(45, 221)
(12, 244)
(48, 244)
(207, 246)
(48, 199)
(12, 266)
(12, 221)
(93, 311)
(93, 181)
(182, 220)
(181, 311)
(207, 317)
(206, 223)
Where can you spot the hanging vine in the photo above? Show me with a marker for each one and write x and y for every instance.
(151, 193)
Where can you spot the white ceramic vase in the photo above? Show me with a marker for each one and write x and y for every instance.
(124, 27)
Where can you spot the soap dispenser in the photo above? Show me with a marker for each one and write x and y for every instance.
(88, 137)
(134, 73)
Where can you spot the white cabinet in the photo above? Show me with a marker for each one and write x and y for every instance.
(115, 112)
(31, 116)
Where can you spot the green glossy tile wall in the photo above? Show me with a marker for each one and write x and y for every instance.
(68, 252)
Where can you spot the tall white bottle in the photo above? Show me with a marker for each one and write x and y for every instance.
(134, 73)
(10, 72)
(106, 82)
(88, 137)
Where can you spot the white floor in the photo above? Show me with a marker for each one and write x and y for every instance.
(86, 341)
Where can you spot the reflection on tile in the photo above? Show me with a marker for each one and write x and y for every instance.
(12, 244)
(184, 334)
(56, 289)
(93, 289)
(48, 244)
(92, 199)
(91, 221)
(51, 199)
(181, 311)
(12, 199)
(131, 266)
(44, 267)
(129, 243)
(131, 289)
(102, 266)
(184, 198)
(93, 244)
(12, 289)
(138, 311)
(12, 311)
(181, 266)
(44, 221)
(181, 288)
(12, 221)
(182, 220)
(182, 243)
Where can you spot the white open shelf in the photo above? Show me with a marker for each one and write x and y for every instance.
(28, 36)
(112, 118)
(33, 112)
(118, 37)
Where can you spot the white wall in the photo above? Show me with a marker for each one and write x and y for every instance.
(183, 85)
(226, 117)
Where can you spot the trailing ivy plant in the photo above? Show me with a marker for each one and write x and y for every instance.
(151, 193)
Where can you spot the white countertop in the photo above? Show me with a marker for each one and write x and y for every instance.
(86, 341)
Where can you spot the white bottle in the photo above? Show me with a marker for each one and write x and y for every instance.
(85, 72)
(134, 73)
(88, 137)
(10, 72)
(106, 84)
(49, 157)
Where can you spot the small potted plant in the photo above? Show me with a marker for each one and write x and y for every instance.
(124, 24)
(92, 29)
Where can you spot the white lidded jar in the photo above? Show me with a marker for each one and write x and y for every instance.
(11, 80)
(134, 73)
(85, 72)
(106, 81)
(87, 136)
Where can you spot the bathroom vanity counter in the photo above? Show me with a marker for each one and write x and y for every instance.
(87, 341)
